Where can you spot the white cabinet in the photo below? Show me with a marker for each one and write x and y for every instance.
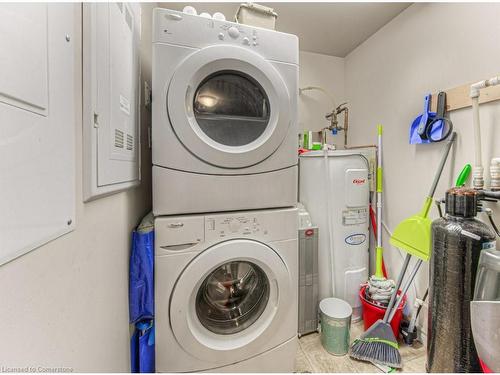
(37, 125)
(111, 97)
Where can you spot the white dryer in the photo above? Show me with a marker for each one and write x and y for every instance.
(224, 116)
(226, 292)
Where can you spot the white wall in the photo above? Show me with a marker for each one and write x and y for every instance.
(327, 72)
(66, 303)
(426, 48)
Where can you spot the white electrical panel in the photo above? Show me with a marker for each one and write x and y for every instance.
(111, 97)
(37, 122)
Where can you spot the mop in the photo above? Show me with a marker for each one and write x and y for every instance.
(379, 289)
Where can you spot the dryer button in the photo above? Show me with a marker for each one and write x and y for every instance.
(246, 41)
(233, 32)
(221, 36)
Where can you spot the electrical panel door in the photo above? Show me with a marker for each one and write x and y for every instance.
(111, 97)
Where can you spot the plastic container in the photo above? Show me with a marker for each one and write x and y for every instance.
(372, 313)
(335, 315)
(485, 310)
(256, 15)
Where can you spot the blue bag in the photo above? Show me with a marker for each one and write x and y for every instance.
(142, 348)
(141, 297)
(141, 278)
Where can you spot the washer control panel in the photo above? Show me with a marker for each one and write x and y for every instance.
(234, 226)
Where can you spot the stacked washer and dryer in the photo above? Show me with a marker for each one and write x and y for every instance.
(224, 195)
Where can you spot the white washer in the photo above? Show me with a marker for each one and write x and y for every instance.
(224, 116)
(226, 292)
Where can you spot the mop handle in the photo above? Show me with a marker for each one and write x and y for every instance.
(398, 284)
(442, 163)
(378, 252)
(416, 267)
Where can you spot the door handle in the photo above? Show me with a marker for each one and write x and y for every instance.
(179, 246)
(176, 225)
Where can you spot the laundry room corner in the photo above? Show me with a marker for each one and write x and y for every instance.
(226, 187)
(387, 76)
(327, 73)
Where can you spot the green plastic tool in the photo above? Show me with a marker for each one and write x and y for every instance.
(464, 175)
(413, 234)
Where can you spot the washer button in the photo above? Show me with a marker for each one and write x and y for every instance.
(221, 36)
(246, 41)
(234, 225)
(233, 32)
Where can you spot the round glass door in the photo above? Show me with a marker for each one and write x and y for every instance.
(232, 297)
(231, 108)
(231, 300)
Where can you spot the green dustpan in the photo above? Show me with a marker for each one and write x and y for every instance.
(413, 234)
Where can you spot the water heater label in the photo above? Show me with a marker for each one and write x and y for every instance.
(355, 239)
(355, 216)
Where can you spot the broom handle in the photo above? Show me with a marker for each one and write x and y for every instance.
(398, 284)
(416, 267)
(450, 142)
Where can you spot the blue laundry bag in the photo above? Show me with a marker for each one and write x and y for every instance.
(141, 278)
(141, 298)
(142, 348)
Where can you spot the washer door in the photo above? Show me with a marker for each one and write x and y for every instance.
(228, 106)
(226, 302)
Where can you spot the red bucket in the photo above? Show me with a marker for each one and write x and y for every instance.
(485, 368)
(372, 313)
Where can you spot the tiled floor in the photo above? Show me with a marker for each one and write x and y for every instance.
(311, 357)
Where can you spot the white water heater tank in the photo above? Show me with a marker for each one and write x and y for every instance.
(338, 183)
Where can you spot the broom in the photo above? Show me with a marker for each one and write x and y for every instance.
(378, 344)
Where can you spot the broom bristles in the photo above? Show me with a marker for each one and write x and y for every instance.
(376, 352)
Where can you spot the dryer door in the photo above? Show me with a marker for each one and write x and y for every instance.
(228, 106)
(229, 302)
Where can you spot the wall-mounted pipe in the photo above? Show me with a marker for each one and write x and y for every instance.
(475, 89)
(495, 174)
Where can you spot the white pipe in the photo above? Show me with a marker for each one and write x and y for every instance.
(495, 174)
(478, 170)
(329, 209)
(475, 88)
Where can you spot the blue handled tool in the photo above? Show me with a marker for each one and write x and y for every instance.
(419, 128)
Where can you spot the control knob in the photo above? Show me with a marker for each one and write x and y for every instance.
(233, 32)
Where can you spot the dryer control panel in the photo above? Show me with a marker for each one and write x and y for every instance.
(189, 30)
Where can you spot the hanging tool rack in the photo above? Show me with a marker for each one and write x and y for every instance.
(459, 97)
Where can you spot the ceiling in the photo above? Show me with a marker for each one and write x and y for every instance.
(329, 28)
